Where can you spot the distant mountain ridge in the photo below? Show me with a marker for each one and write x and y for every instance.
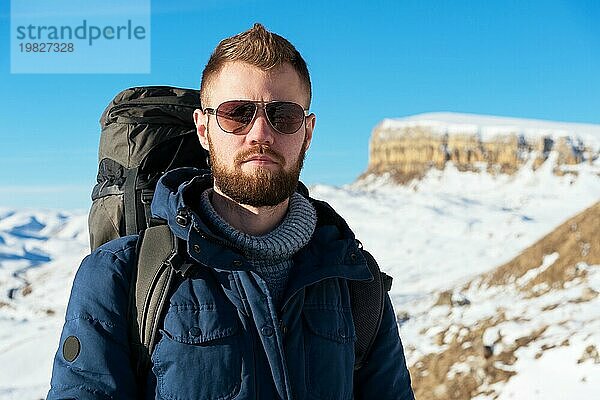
(406, 148)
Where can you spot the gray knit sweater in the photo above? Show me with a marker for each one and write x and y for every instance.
(270, 254)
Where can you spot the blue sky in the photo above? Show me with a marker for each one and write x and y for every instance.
(368, 61)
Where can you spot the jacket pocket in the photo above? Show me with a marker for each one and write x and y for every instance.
(329, 352)
(199, 354)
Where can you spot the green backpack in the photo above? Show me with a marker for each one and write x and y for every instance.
(147, 131)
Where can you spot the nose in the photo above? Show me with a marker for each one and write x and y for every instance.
(260, 131)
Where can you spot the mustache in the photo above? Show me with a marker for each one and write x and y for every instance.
(258, 151)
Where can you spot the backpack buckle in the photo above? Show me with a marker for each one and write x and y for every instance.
(183, 217)
(176, 261)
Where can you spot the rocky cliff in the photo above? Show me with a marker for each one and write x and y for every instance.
(407, 148)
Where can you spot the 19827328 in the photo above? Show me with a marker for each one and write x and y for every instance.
(47, 47)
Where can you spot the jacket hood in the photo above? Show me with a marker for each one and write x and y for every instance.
(175, 195)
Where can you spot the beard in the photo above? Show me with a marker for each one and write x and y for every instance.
(262, 187)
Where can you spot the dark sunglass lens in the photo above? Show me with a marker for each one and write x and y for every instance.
(285, 117)
(234, 116)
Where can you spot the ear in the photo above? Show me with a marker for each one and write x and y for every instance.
(201, 121)
(309, 122)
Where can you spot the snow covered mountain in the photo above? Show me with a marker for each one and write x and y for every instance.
(406, 148)
(441, 237)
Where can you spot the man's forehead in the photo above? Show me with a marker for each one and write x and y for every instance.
(239, 80)
(241, 67)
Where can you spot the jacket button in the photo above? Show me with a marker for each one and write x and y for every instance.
(266, 330)
(237, 263)
(353, 257)
(195, 331)
(196, 248)
(342, 333)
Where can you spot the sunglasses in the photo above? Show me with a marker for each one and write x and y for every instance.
(235, 115)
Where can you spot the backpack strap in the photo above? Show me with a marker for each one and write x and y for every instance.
(132, 225)
(367, 299)
(156, 252)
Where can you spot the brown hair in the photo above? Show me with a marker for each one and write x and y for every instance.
(257, 47)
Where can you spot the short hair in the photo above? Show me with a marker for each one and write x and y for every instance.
(259, 48)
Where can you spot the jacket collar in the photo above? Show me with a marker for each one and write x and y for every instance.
(331, 252)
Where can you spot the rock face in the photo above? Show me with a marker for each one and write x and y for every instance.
(407, 148)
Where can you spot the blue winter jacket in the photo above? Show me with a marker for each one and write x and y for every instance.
(222, 338)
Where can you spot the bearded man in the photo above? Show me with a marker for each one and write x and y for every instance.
(266, 313)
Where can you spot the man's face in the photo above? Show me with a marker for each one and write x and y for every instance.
(260, 167)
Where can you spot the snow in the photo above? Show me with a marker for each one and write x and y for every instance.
(560, 325)
(453, 225)
(430, 236)
(490, 127)
(42, 249)
(555, 375)
(533, 272)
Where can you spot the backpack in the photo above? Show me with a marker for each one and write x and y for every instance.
(147, 131)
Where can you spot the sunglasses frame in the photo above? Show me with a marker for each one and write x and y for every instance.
(258, 104)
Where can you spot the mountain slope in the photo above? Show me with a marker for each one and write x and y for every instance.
(529, 329)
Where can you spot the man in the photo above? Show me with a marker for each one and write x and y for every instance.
(266, 313)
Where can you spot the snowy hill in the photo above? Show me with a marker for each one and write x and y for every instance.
(39, 253)
(433, 236)
(530, 329)
(451, 225)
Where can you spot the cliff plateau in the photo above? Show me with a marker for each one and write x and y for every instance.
(407, 148)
